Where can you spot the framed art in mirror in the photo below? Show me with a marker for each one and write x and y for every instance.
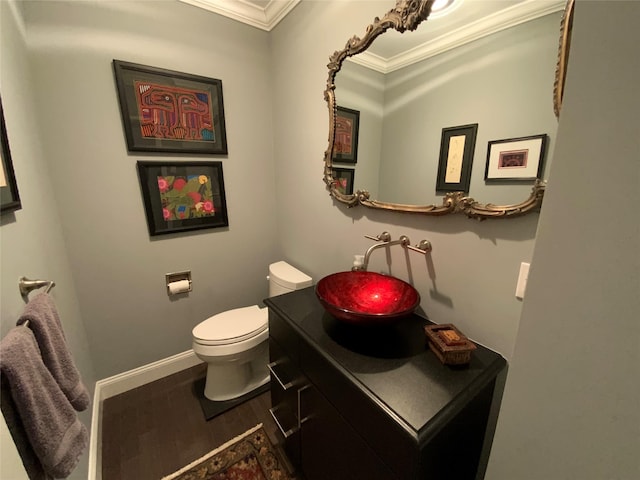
(182, 196)
(515, 158)
(344, 179)
(345, 146)
(456, 158)
(167, 111)
(10, 199)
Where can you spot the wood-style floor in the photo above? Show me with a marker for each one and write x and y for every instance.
(158, 428)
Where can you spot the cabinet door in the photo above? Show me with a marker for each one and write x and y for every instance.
(330, 448)
(285, 382)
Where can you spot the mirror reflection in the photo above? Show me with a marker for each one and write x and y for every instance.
(502, 81)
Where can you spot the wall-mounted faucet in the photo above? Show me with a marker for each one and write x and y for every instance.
(384, 240)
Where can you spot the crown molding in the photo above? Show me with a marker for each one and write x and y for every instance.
(264, 18)
(507, 18)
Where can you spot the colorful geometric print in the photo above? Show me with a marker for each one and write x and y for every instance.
(186, 197)
(174, 113)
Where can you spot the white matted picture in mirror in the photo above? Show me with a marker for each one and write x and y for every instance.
(456, 158)
(515, 158)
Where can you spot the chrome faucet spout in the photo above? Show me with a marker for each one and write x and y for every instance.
(403, 240)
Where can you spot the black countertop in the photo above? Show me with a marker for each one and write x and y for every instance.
(392, 365)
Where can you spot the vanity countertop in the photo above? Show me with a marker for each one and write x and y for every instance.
(393, 366)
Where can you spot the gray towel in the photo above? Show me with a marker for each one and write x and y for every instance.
(42, 422)
(43, 319)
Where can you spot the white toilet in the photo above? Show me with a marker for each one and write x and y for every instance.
(234, 344)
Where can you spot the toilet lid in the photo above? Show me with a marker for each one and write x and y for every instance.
(231, 326)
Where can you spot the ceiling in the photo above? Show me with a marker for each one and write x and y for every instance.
(469, 21)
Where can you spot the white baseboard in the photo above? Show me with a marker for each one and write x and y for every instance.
(112, 386)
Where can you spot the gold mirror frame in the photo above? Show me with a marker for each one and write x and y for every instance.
(406, 16)
(566, 25)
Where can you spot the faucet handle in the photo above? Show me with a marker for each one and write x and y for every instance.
(383, 237)
(423, 247)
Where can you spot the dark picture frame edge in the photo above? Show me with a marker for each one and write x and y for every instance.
(131, 118)
(153, 200)
(9, 194)
(470, 132)
(355, 116)
(542, 139)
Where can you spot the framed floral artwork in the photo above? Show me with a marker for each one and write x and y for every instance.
(182, 196)
(344, 179)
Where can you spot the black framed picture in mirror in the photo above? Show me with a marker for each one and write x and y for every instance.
(515, 158)
(10, 199)
(345, 145)
(456, 158)
(344, 179)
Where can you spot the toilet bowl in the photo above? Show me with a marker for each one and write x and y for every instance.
(234, 344)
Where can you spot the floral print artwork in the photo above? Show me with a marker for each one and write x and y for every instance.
(184, 197)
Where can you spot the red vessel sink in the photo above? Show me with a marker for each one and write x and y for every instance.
(366, 298)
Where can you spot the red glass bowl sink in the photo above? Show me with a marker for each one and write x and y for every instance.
(366, 298)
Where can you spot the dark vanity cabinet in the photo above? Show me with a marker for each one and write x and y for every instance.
(356, 402)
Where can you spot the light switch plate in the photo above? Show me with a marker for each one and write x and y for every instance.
(522, 280)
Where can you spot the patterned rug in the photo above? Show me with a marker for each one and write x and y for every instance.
(249, 456)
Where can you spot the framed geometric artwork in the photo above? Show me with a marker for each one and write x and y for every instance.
(182, 196)
(345, 145)
(456, 158)
(515, 158)
(168, 111)
(10, 199)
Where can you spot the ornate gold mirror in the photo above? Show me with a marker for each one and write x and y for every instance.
(394, 118)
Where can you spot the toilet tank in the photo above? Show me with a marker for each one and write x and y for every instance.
(284, 278)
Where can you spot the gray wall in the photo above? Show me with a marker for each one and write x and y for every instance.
(119, 270)
(362, 89)
(470, 277)
(32, 240)
(571, 400)
(571, 404)
(277, 131)
(501, 82)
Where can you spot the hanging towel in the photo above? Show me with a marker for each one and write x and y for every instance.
(42, 422)
(43, 319)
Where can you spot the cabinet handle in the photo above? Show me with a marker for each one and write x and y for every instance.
(285, 432)
(302, 419)
(285, 386)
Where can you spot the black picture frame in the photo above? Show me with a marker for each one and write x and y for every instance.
(9, 195)
(516, 159)
(345, 143)
(168, 111)
(183, 195)
(343, 178)
(457, 147)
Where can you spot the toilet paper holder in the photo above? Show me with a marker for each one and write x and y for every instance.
(172, 278)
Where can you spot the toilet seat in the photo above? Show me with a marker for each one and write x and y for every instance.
(232, 326)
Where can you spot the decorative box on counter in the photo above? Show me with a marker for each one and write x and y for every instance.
(450, 346)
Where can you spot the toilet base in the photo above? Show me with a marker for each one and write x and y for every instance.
(233, 376)
(211, 409)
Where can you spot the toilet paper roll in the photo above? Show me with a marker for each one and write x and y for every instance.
(180, 286)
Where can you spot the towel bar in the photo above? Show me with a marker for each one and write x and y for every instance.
(26, 285)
